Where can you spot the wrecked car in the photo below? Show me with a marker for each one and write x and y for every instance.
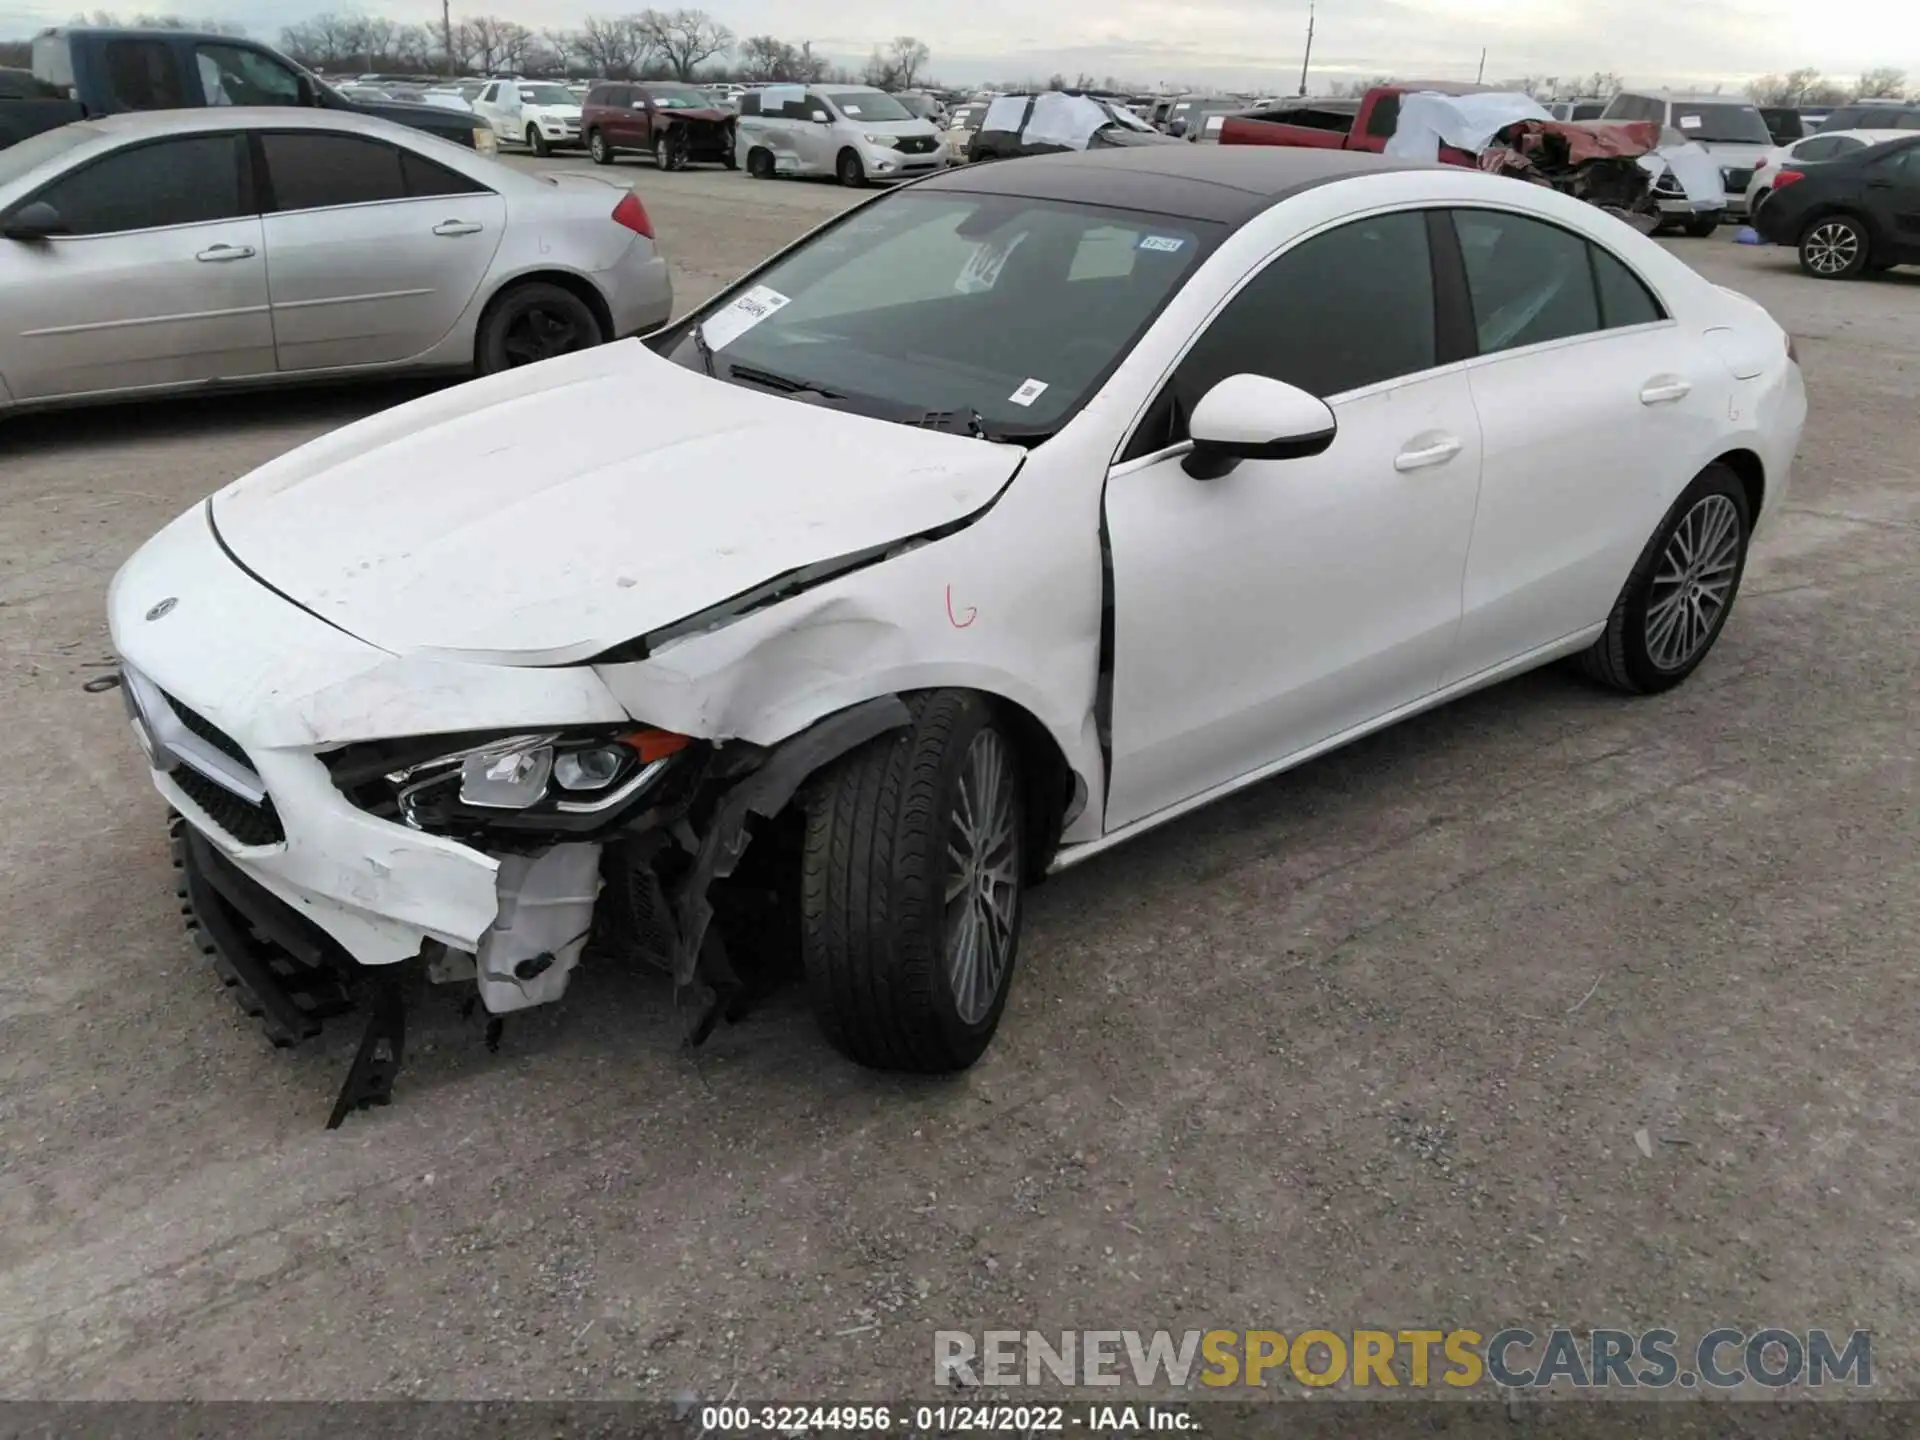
(1055, 121)
(808, 634)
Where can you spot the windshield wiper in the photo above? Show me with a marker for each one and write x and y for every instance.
(785, 384)
(704, 350)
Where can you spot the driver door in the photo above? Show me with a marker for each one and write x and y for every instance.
(1289, 602)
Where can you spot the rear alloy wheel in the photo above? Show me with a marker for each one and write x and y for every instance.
(535, 322)
(599, 149)
(912, 879)
(851, 172)
(1682, 589)
(1834, 247)
(536, 142)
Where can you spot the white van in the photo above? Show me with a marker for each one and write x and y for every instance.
(853, 132)
(1731, 130)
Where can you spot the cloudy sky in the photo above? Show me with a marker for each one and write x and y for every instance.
(1251, 43)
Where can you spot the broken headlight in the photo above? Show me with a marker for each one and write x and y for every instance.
(548, 780)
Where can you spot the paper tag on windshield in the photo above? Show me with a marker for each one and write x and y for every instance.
(1028, 392)
(982, 270)
(1689, 122)
(728, 325)
(1167, 244)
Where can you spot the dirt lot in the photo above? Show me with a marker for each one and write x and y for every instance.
(1367, 1045)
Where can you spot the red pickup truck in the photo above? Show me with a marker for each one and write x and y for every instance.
(1363, 124)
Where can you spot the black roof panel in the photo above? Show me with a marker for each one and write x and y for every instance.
(1227, 184)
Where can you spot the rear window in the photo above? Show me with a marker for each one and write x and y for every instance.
(144, 75)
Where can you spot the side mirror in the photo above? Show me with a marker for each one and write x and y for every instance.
(639, 104)
(1250, 417)
(38, 221)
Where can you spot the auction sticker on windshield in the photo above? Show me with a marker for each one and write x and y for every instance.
(726, 326)
(1690, 122)
(982, 270)
(1028, 392)
(1168, 244)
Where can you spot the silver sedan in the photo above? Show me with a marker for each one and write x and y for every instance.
(147, 253)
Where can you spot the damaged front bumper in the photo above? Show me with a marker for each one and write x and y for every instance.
(318, 882)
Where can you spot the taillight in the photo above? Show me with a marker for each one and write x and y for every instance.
(1787, 177)
(632, 214)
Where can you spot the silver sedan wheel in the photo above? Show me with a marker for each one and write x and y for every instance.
(1693, 582)
(1832, 249)
(983, 877)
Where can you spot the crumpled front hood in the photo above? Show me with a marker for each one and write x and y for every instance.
(545, 514)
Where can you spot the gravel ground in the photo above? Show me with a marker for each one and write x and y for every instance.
(1366, 1045)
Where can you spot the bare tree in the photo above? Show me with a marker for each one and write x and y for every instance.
(1883, 82)
(611, 45)
(490, 43)
(908, 58)
(1793, 88)
(519, 46)
(684, 39)
(326, 41)
(160, 22)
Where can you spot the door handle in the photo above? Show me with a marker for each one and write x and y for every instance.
(1880, 184)
(1437, 451)
(1662, 388)
(457, 227)
(215, 253)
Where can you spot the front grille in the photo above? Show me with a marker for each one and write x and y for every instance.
(194, 721)
(1737, 179)
(917, 144)
(248, 823)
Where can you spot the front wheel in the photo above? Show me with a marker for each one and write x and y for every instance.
(1834, 247)
(536, 142)
(911, 884)
(851, 172)
(534, 322)
(759, 165)
(1681, 591)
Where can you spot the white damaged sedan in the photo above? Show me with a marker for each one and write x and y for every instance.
(996, 521)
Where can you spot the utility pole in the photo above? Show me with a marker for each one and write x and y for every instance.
(446, 35)
(1307, 58)
(1482, 74)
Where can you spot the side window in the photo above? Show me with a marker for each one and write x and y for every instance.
(1529, 281)
(811, 108)
(190, 181)
(490, 94)
(145, 75)
(311, 170)
(1624, 298)
(1385, 116)
(235, 75)
(1842, 144)
(1347, 308)
(600, 95)
(424, 177)
(1819, 148)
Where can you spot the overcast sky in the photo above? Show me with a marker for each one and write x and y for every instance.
(1252, 43)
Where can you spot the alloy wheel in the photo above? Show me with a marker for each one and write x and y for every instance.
(1693, 582)
(539, 333)
(1832, 248)
(983, 877)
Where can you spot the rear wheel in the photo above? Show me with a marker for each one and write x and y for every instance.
(911, 886)
(1676, 601)
(536, 142)
(599, 149)
(534, 322)
(851, 172)
(1834, 247)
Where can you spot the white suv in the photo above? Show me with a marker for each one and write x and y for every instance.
(539, 114)
(1733, 131)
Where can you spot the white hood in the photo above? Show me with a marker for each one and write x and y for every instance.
(545, 514)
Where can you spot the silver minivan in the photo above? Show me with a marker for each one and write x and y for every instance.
(1731, 130)
(852, 132)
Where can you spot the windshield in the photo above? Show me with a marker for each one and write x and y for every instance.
(1729, 124)
(868, 105)
(920, 105)
(546, 95)
(17, 161)
(679, 97)
(998, 307)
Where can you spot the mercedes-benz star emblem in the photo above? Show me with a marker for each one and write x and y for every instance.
(165, 607)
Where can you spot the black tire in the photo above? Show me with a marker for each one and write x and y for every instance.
(760, 164)
(537, 143)
(668, 152)
(849, 171)
(1624, 658)
(1835, 247)
(729, 159)
(599, 148)
(876, 921)
(1701, 226)
(534, 321)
